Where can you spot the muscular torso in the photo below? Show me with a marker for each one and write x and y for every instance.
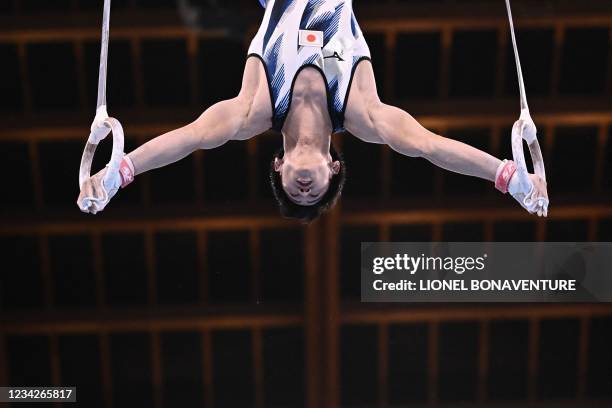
(309, 102)
(308, 113)
(336, 48)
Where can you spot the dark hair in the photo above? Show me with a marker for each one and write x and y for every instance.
(306, 214)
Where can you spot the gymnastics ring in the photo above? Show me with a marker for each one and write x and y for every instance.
(116, 129)
(524, 129)
(103, 124)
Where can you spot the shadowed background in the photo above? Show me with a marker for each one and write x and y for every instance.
(190, 290)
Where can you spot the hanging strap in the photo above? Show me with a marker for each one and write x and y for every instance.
(524, 129)
(103, 125)
(519, 70)
(104, 54)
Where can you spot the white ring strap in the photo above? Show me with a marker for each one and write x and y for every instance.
(102, 124)
(524, 128)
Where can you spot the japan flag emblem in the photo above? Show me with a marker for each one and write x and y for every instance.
(309, 38)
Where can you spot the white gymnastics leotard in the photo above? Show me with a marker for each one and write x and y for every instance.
(295, 34)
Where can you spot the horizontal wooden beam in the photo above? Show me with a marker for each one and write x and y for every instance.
(358, 313)
(130, 24)
(286, 316)
(169, 222)
(475, 23)
(157, 223)
(151, 320)
(591, 403)
(481, 213)
(390, 17)
(558, 111)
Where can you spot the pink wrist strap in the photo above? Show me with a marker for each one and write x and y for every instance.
(502, 180)
(126, 169)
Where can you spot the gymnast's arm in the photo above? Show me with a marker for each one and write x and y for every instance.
(373, 121)
(240, 118)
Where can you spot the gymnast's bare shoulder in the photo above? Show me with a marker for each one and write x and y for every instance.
(255, 97)
(240, 118)
(363, 98)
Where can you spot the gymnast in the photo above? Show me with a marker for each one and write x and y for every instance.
(308, 75)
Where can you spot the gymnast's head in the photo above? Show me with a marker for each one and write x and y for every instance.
(306, 183)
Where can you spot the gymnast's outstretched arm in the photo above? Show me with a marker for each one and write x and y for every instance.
(240, 118)
(373, 121)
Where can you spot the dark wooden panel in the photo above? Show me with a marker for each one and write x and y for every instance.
(182, 369)
(233, 368)
(358, 345)
(458, 361)
(283, 353)
(558, 359)
(507, 379)
(131, 370)
(408, 351)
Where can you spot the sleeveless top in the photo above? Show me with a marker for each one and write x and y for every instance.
(323, 34)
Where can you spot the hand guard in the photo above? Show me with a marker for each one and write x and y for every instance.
(535, 200)
(98, 190)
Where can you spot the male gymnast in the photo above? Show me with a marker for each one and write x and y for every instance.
(308, 75)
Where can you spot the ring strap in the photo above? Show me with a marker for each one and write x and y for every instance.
(524, 129)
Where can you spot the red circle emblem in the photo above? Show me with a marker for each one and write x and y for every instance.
(311, 38)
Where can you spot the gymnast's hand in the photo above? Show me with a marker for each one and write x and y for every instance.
(536, 201)
(95, 194)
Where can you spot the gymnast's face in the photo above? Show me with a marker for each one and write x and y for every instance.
(306, 176)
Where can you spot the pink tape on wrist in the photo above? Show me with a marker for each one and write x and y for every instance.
(126, 169)
(503, 178)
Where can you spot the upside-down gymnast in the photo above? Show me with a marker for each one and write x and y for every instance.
(308, 75)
